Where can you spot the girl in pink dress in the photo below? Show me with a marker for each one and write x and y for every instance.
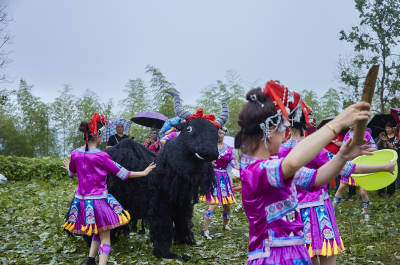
(269, 192)
(222, 194)
(345, 181)
(94, 211)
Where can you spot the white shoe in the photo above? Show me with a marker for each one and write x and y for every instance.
(226, 227)
(366, 217)
(206, 234)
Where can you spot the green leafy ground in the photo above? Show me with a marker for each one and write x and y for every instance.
(32, 214)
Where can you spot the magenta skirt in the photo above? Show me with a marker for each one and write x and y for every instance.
(321, 232)
(223, 193)
(93, 216)
(293, 255)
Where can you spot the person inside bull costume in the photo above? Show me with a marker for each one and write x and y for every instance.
(184, 172)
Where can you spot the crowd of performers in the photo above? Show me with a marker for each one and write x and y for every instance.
(284, 195)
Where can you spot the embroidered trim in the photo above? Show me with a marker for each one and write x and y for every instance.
(220, 170)
(74, 211)
(347, 170)
(247, 160)
(265, 252)
(305, 216)
(92, 197)
(123, 173)
(325, 224)
(276, 210)
(291, 143)
(114, 204)
(89, 212)
(223, 151)
(304, 177)
(273, 171)
(90, 151)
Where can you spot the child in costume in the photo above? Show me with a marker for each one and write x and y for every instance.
(94, 211)
(222, 194)
(345, 181)
(269, 193)
(322, 237)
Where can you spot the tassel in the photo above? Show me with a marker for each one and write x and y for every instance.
(65, 224)
(329, 252)
(95, 229)
(335, 247)
(127, 215)
(212, 199)
(310, 252)
(341, 244)
(71, 228)
(84, 228)
(124, 219)
(323, 251)
(89, 232)
(120, 219)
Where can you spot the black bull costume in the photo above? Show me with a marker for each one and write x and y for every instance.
(184, 171)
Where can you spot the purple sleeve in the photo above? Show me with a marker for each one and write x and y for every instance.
(347, 170)
(72, 166)
(114, 168)
(305, 178)
(273, 170)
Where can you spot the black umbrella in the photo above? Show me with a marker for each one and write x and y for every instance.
(149, 119)
(378, 122)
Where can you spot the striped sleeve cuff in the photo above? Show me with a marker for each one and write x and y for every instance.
(123, 173)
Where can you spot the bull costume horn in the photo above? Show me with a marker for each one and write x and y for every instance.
(177, 106)
(224, 112)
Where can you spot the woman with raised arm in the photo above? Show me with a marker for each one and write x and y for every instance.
(269, 185)
(321, 233)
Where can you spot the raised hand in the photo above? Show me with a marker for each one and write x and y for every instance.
(66, 163)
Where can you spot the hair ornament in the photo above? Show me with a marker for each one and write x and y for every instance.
(253, 98)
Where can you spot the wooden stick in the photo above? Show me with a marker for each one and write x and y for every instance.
(368, 93)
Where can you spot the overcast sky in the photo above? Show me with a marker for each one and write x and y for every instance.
(100, 45)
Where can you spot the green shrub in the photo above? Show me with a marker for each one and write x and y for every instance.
(25, 168)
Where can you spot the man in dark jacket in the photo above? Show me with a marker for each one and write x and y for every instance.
(116, 138)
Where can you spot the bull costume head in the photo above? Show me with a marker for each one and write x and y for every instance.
(200, 131)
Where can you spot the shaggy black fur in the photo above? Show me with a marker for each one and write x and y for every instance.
(169, 192)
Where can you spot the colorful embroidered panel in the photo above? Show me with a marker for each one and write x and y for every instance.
(89, 212)
(305, 216)
(347, 170)
(122, 173)
(73, 211)
(324, 221)
(304, 177)
(273, 169)
(280, 208)
(114, 204)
